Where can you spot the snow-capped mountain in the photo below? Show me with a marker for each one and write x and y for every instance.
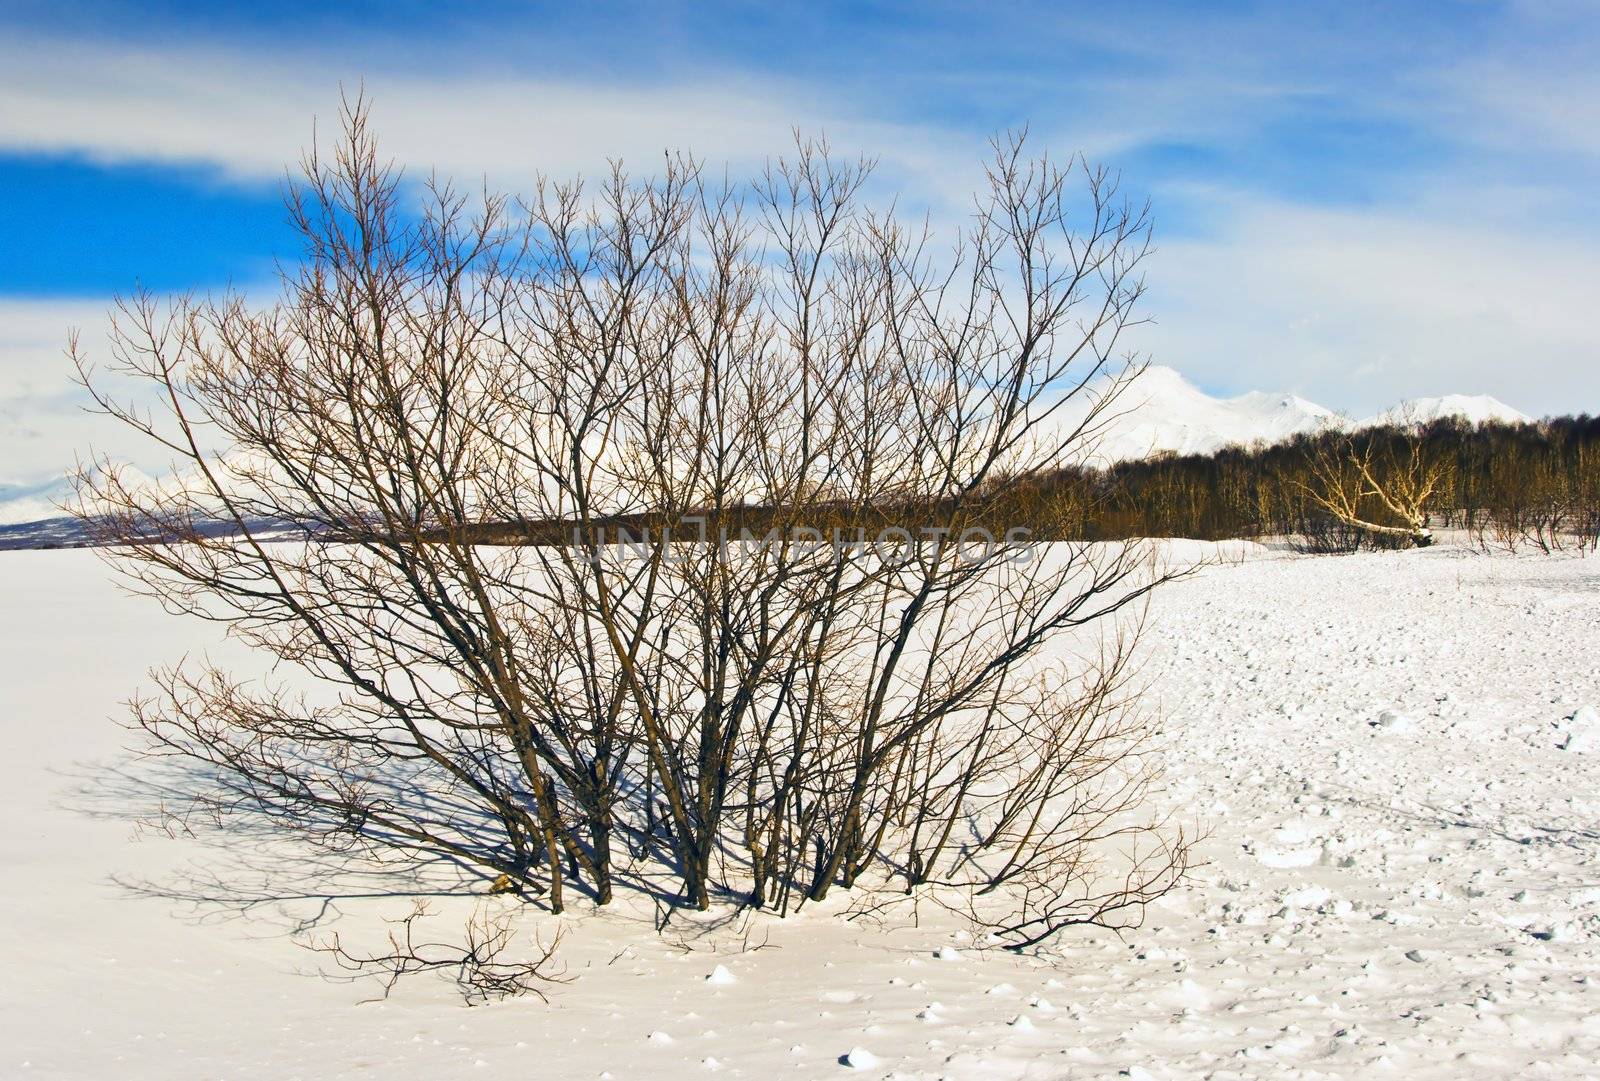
(31, 502)
(23, 504)
(1162, 412)
(1474, 408)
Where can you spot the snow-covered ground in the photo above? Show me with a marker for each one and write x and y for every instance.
(1402, 876)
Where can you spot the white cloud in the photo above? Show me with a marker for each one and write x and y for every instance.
(1357, 308)
(248, 114)
(42, 417)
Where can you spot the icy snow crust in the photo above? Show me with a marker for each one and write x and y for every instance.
(1394, 755)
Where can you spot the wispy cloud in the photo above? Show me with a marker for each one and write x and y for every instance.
(248, 114)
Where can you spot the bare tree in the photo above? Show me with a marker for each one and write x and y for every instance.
(654, 532)
(1392, 473)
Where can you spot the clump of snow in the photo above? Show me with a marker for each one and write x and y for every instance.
(1395, 721)
(859, 1058)
(721, 976)
(1581, 731)
(1307, 897)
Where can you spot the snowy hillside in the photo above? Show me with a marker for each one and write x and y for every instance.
(1474, 408)
(1163, 411)
(35, 502)
(39, 502)
(1398, 878)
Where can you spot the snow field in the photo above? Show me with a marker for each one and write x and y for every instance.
(1393, 754)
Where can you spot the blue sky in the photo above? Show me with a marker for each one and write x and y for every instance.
(1355, 201)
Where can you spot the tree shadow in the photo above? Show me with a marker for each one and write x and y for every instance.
(254, 863)
(245, 864)
(1434, 816)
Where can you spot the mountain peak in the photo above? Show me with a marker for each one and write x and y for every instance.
(1162, 411)
(1473, 408)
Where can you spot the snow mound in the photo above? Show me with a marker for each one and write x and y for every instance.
(1581, 731)
(859, 1058)
(1395, 721)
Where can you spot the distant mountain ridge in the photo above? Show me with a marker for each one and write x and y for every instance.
(1474, 408)
(1159, 412)
(1162, 412)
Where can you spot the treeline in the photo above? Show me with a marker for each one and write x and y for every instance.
(1508, 486)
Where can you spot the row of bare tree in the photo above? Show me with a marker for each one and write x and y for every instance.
(1505, 486)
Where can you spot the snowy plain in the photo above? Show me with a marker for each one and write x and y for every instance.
(1396, 757)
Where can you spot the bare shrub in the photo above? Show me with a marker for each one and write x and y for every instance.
(628, 538)
(1323, 534)
(480, 967)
